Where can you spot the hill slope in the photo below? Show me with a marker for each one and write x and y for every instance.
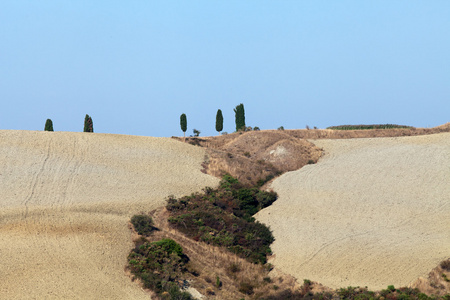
(66, 199)
(372, 212)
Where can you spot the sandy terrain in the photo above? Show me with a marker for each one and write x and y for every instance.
(65, 203)
(372, 212)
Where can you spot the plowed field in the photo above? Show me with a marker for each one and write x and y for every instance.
(65, 202)
(372, 212)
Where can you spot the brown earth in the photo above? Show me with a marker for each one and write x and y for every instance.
(66, 200)
(255, 155)
(373, 212)
(436, 283)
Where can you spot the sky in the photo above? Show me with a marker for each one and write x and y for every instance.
(136, 66)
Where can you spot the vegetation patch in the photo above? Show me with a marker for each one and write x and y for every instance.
(160, 266)
(446, 265)
(355, 293)
(143, 224)
(224, 217)
(365, 127)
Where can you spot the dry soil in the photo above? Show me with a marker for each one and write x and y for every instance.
(65, 202)
(373, 212)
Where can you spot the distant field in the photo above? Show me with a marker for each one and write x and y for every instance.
(372, 212)
(366, 127)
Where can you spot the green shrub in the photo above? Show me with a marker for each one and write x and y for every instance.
(196, 132)
(266, 199)
(247, 200)
(159, 265)
(261, 181)
(347, 293)
(170, 246)
(223, 217)
(229, 181)
(143, 224)
(174, 292)
(218, 282)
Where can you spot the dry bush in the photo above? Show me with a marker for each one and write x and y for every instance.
(246, 287)
(445, 265)
(143, 224)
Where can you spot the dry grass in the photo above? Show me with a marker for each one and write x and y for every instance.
(437, 282)
(255, 155)
(212, 262)
(351, 134)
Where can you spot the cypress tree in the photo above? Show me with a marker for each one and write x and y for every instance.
(183, 124)
(86, 119)
(240, 117)
(88, 125)
(48, 125)
(219, 121)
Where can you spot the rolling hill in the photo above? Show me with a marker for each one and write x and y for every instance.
(66, 200)
(371, 212)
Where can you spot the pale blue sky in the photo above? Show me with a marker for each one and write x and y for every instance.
(135, 66)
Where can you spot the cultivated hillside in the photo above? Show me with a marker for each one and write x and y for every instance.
(372, 212)
(65, 203)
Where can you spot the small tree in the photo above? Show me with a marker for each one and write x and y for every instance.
(196, 132)
(88, 125)
(48, 125)
(183, 124)
(219, 121)
(240, 117)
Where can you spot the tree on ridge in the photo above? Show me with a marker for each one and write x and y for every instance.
(88, 125)
(48, 125)
(240, 117)
(183, 124)
(219, 121)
